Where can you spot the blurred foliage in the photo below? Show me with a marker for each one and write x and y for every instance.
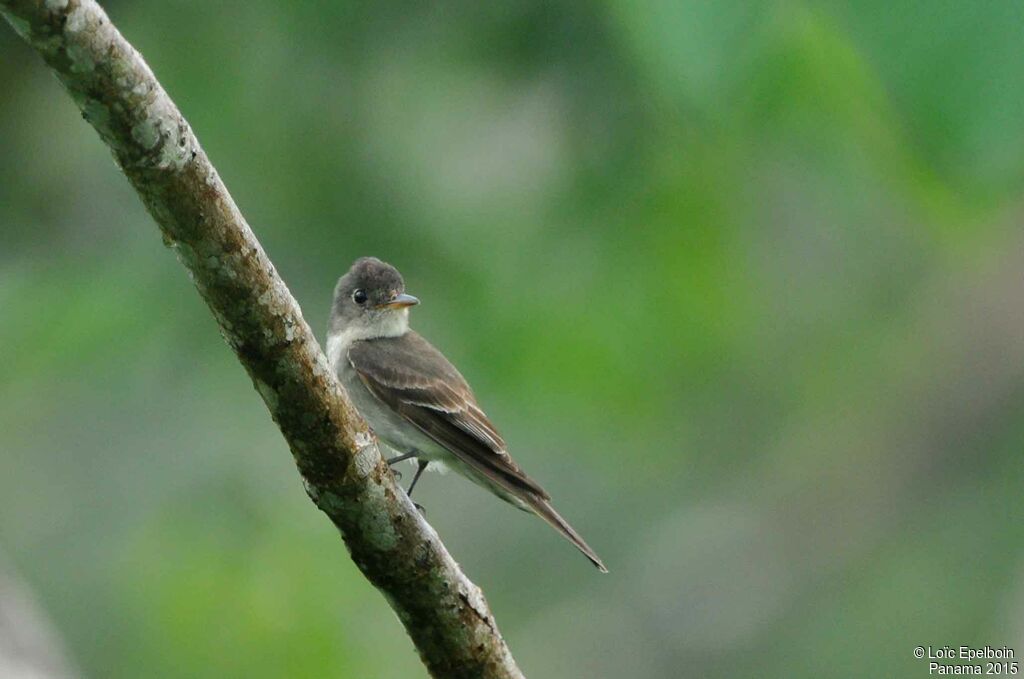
(740, 282)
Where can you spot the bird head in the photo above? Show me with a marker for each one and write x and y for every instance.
(370, 301)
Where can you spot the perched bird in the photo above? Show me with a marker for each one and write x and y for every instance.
(415, 400)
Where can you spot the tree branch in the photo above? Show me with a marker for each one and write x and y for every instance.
(445, 614)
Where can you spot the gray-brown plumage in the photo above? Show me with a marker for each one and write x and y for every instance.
(415, 399)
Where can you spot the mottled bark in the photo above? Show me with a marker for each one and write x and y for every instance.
(445, 614)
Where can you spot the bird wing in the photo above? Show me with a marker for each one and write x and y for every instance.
(415, 380)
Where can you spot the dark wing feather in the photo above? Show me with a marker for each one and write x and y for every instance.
(417, 381)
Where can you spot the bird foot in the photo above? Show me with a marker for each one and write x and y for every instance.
(399, 458)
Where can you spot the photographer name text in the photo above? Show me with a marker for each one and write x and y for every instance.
(990, 660)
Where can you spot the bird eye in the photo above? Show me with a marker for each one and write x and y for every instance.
(359, 297)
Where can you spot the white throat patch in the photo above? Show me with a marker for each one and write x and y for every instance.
(393, 324)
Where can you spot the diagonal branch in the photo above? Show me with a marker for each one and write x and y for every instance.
(445, 614)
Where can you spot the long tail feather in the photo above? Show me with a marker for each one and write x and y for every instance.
(544, 510)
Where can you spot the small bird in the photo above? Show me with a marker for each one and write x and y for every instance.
(415, 400)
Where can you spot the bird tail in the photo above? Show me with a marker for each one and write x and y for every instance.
(544, 510)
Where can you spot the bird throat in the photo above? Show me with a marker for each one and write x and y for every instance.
(389, 324)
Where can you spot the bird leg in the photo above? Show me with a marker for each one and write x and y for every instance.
(420, 466)
(401, 458)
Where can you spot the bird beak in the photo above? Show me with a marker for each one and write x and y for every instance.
(399, 302)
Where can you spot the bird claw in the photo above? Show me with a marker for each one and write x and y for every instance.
(420, 507)
(398, 474)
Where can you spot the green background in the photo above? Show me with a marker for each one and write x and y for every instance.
(741, 284)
